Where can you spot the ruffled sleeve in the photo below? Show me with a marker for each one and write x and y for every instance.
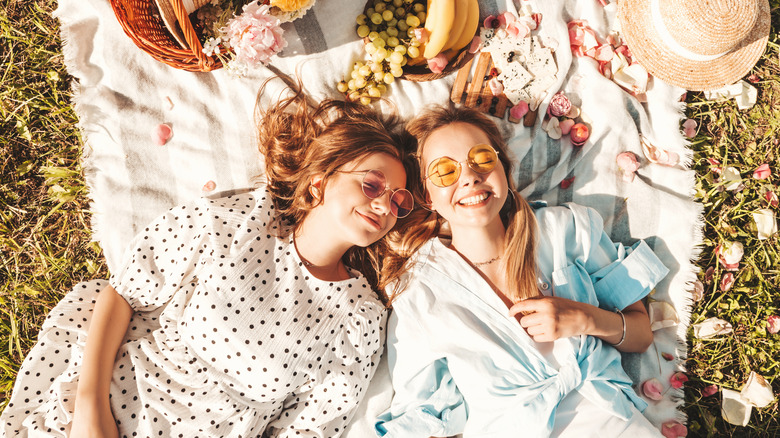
(621, 275)
(427, 402)
(162, 257)
(324, 407)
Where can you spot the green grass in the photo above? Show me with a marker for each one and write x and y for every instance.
(46, 248)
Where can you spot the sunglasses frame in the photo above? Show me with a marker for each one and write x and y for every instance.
(384, 189)
(460, 165)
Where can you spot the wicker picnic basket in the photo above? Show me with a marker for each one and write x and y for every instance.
(141, 21)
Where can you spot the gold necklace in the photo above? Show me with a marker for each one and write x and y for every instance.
(494, 259)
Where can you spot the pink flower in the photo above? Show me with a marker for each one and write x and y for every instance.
(437, 63)
(518, 111)
(560, 105)
(255, 35)
(709, 390)
(771, 198)
(161, 134)
(678, 379)
(673, 429)
(653, 389)
(491, 22)
(689, 128)
(727, 282)
(762, 172)
(567, 182)
(628, 165)
(579, 134)
(730, 254)
(773, 324)
(566, 126)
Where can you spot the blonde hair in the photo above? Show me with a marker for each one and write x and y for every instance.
(423, 225)
(300, 140)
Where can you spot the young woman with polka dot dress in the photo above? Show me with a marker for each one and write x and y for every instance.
(249, 314)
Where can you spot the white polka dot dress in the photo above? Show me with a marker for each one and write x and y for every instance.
(231, 336)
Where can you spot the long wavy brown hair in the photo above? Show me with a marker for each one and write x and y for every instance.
(300, 139)
(422, 224)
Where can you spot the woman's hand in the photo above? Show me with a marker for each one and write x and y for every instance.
(546, 319)
(92, 419)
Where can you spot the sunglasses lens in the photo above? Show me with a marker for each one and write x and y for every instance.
(482, 158)
(374, 184)
(443, 172)
(401, 203)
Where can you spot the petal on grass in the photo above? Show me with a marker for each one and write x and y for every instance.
(762, 172)
(709, 390)
(757, 391)
(773, 324)
(674, 429)
(766, 225)
(678, 379)
(689, 128)
(734, 409)
(711, 327)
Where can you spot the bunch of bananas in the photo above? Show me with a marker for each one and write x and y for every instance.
(451, 25)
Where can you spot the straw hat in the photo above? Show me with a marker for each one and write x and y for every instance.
(169, 16)
(698, 45)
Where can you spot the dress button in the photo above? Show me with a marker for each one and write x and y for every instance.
(545, 286)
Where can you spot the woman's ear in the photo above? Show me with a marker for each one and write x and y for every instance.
(315, 187)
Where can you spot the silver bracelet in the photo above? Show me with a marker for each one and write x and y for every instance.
(623, 318)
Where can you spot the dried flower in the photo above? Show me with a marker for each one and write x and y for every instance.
(255, 35)
(730, 254)
(762, 172)
(773, 324)
(653, 389)
(553, 128)
(678, 379)
(560, 105)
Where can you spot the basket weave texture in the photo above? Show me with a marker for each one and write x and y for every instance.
(141, 21)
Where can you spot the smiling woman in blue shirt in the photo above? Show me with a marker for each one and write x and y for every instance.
(514, 321)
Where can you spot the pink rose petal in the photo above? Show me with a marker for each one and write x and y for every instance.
(727, 282)
(508, 17)
(604, 53)
(567, 182)
(678, 379)
(496, 87)
(161, 134)
(566, 125)
(773, 324)
(762, 172)
(518, 111)
(489, 22)
(667, 357)
(437, 63)
(518, 29)
(653, 389)
(689, 128)
(209, 186)
(698, 291)
(709, 390)
(771, 198)
(476, 42)
(673, 429)
(708, 274)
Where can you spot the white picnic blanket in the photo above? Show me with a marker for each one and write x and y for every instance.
(122, 95)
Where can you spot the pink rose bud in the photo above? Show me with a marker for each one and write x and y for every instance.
(762, 172)
(673, 429)
(727, 282)
(437, 63)
(678, 379)
(560, 105)
(653, 389)
(773, 324)
(579, 134)
(709, 390)
(689, 128)
(161, 134)
(566, 125)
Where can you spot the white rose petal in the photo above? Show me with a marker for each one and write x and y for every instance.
(662, 314)
(732, 252)
(765, 223)
(734, 409)
(757, 391)
(711, 327)
(731, 177)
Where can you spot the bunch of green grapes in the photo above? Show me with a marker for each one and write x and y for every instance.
(391, 43)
